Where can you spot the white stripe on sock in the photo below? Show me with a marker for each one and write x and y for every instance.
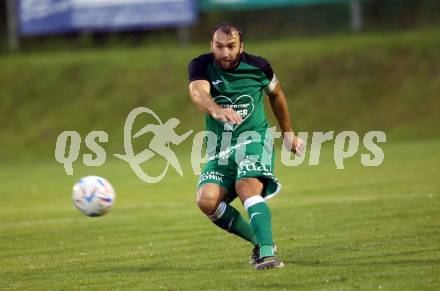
(251, 201)
(218, 212)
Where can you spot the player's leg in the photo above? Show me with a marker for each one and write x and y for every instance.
(211, 201)
(209, 196)
(250, 190)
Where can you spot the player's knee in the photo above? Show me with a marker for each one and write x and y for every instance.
(207, 200)
(248, 187)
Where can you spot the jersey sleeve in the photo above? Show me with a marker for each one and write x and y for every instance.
(197, 69)
(270, 79)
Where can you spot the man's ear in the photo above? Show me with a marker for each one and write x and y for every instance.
(212, 46)
(241, 47)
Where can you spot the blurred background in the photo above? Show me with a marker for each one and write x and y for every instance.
(50, 24)
(84, 64)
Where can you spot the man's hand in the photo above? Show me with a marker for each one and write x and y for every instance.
(199, 91)
(227, 115)
(294, 143)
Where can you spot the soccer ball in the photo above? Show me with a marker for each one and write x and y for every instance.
(93, 196)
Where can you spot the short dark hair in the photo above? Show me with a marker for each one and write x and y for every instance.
(227, 28)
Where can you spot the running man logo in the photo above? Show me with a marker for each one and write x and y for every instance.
(164, 134)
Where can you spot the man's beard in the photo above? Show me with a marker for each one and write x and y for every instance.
(228, 65)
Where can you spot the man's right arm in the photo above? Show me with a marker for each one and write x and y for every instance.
(199, 91)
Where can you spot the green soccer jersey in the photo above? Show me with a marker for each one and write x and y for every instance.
(241, 88)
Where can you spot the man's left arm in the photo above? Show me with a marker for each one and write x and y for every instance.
(280, 109)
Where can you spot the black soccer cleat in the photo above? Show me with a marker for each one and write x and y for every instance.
(268, 263)
(256, 254)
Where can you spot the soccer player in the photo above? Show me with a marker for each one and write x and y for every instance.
(229, 86)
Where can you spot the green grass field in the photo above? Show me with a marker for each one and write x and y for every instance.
(357, 228)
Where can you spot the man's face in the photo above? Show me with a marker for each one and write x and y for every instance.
(226, 49)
